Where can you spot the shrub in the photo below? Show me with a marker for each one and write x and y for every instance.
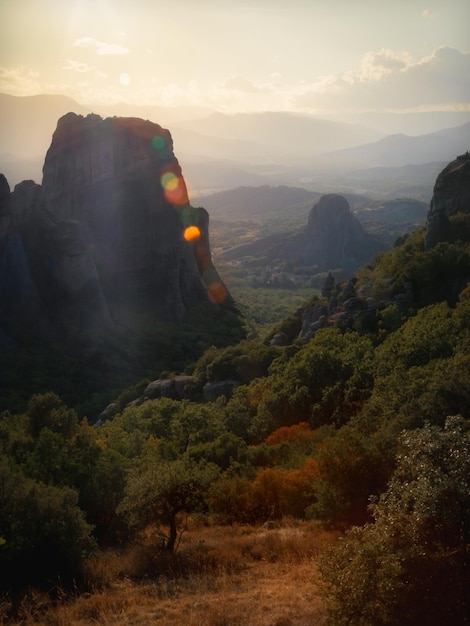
(412, 565)
(44, 533)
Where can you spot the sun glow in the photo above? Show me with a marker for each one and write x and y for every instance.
(124, 79)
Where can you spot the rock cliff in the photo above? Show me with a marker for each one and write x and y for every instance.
(333, 238)
(451, 197)
(108, 238)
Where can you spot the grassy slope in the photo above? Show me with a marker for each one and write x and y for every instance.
(228, 576)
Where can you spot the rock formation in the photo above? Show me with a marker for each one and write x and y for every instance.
(333, 238)
(451, 197)
(108, 238)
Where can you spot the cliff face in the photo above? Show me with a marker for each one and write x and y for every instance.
(334, 237)
(451, 196)
(102, 241)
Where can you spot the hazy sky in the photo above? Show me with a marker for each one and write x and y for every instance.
(314, 56)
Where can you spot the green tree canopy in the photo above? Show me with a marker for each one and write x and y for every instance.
(412, 565)
(161, 490)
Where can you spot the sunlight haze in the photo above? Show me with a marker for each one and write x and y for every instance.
(324, 58)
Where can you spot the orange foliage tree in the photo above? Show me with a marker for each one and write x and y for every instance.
(273, 493)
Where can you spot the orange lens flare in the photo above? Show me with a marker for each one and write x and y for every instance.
(191, 233)
(174, 189)
(217, 292)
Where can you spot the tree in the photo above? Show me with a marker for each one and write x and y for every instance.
(429, 335)
(45, 535)
(352, 466)
(324, 382)
(48, 411)
(412, 566)
(161, 490)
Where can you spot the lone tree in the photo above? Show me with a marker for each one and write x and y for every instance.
(162, 490)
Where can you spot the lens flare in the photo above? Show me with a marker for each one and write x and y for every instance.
(169, 181)
(189, 215)
(215, 287)
(191, 233)
(174, 189)
(217, 292)
(158, 143)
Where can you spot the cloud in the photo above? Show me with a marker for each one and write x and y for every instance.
(101, 47)
(386, 80)
(83, 68)
(19, 81)
(76, 66)
(238, 83)
(377, 64)
(427, 14)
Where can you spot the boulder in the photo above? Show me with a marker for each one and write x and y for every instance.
(212, 391)
(167, 388)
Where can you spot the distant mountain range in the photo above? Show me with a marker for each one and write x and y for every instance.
(219, 152)
(397, 150)
(279, 136)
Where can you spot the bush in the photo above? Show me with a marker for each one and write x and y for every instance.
(412, 566)
(352, 466)
(44, 533)
(274, 493)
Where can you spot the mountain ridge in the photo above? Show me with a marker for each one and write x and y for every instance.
(402, 149)
(267, 152)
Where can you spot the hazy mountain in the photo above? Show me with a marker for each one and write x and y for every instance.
(400, 149)
(412, 180)
(283, 135)
(28, 123)
(413, 123)
(218, 152)
(257, 202)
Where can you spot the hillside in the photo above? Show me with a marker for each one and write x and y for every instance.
(360, 396)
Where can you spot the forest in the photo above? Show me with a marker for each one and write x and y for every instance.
(362, 431)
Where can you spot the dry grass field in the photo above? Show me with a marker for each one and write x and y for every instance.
(220, 576)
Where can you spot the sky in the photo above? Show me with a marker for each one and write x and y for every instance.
(319, 57)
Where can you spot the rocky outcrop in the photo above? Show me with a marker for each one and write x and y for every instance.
(451, 197)
(103, 241)
(167, 388)
(22, 310)
(213, 390)
(333, 237)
